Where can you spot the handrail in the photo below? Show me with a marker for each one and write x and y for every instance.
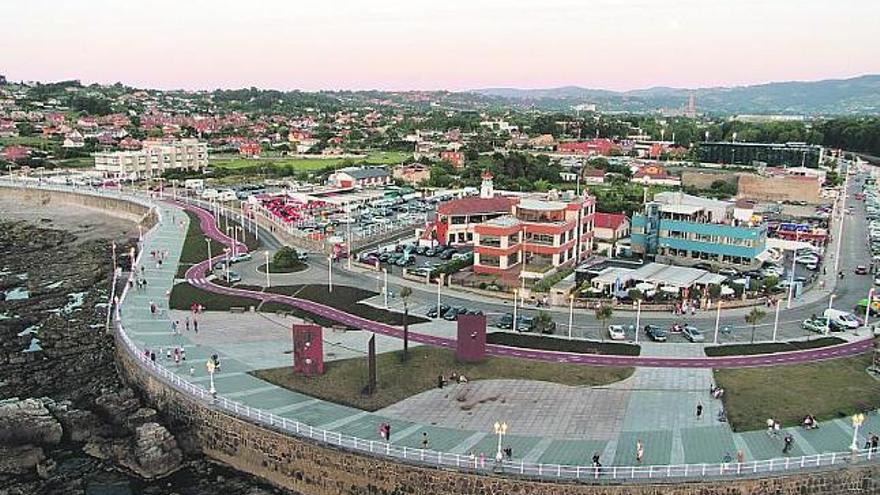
(433, 458)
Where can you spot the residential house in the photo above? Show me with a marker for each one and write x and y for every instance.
(360, 177)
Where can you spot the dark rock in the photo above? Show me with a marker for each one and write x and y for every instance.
(20, 458)
(116, 407)
(28, 421)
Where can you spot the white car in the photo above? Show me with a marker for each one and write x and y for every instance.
(616, 332)
(240, 257)
(807, 260)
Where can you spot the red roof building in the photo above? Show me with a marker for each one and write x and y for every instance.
(456, 158)
(15, 153)
(591, 147)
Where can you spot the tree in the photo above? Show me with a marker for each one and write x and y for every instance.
(770, 283)
(543, 321)
(405, 293)
(286, 257)
(603, 314)
(754, 317)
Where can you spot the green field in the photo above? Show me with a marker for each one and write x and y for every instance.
(306, 164)
(826, 389)
(32, 141)
(343, 381)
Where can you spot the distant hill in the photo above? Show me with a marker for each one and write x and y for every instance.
(858, 95)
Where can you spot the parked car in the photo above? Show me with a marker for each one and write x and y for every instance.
(616, 332)
(841, 320)
(447, 254)
(809, 259)
(230, 277)
(505, 322)
(240, 257)
(728, 272)
(818, 324)
(452, 313)
(525, 323)
(432, 313)
(657, 334)
(692, 333)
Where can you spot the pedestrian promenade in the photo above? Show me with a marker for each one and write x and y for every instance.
(658, 410)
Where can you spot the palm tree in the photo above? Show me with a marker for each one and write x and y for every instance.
(753, 317)
(603, 314)
(405, 293)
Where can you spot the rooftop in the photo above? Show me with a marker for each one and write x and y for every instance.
(476, 206)
(609, 220)
(541, 205)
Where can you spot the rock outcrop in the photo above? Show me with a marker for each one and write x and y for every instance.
(28, 422)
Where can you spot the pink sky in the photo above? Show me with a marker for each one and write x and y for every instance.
(451, 44)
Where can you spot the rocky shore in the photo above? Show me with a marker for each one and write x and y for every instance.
(67, 423)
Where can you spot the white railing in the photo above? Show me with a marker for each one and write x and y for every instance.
(586, 474)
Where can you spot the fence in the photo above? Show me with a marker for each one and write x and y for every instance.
(432, 458)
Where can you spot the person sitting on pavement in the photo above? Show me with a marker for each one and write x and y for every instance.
(810, 422)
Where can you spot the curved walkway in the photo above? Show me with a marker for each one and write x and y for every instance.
(196, 275)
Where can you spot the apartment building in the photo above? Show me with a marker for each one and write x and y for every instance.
(540, 235)
(155, 157)
(682, 229)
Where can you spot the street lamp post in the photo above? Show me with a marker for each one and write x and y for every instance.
(717, 319)
(776, 319)
(348, 228)
(867, 308)
(513, 325)
(828, 320)
(500, 430)
(439, 283)
(208, 241)
(522, 293)
(226, 255)
(857, 421)
(330, 272)
(211, 367)
(570, 314)
(638, 318)
(385, 286)
(840, 227)
(268, 282)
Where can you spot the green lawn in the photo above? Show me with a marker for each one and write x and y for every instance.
(34, 141)
(769, 348)
(534, 341)
(305, 164)
(343, 381)
(195, 248)
(787, 393)
(184, 295)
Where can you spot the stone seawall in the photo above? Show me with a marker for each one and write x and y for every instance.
(120, 208)
(313, 469)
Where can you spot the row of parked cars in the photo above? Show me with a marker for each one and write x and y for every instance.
(451, 313)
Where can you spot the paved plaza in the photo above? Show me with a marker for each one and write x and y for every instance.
(549, 423)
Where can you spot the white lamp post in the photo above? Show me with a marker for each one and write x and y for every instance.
(776, 319)
(867, 308)
(570, 314)
(522, 293)
(208, 241)
(439, 283)
(268, 282)
(500, 430)
(330, 272)
(385, 286)
(828, 320)
(513, 325)
(638, 318)
(857, 421)
(226, 257)
(211, 366)
(717, 319)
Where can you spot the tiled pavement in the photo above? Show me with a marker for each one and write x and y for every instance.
(655, 406)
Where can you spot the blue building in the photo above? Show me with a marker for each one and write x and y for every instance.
(681, 229)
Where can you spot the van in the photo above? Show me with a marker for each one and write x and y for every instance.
(197, 184)
(227, 195)
(841, 320)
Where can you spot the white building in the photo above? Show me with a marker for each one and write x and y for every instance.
(155, 158)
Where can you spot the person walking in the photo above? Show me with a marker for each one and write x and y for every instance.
(425, 440)
(770, 424)
(387, 432)
(788, 441)
(640, 451)
(699, 411)
(482, 460)
(195, 325)
(153, 308)
(740, 456)
(382, 431)
(186, 323)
